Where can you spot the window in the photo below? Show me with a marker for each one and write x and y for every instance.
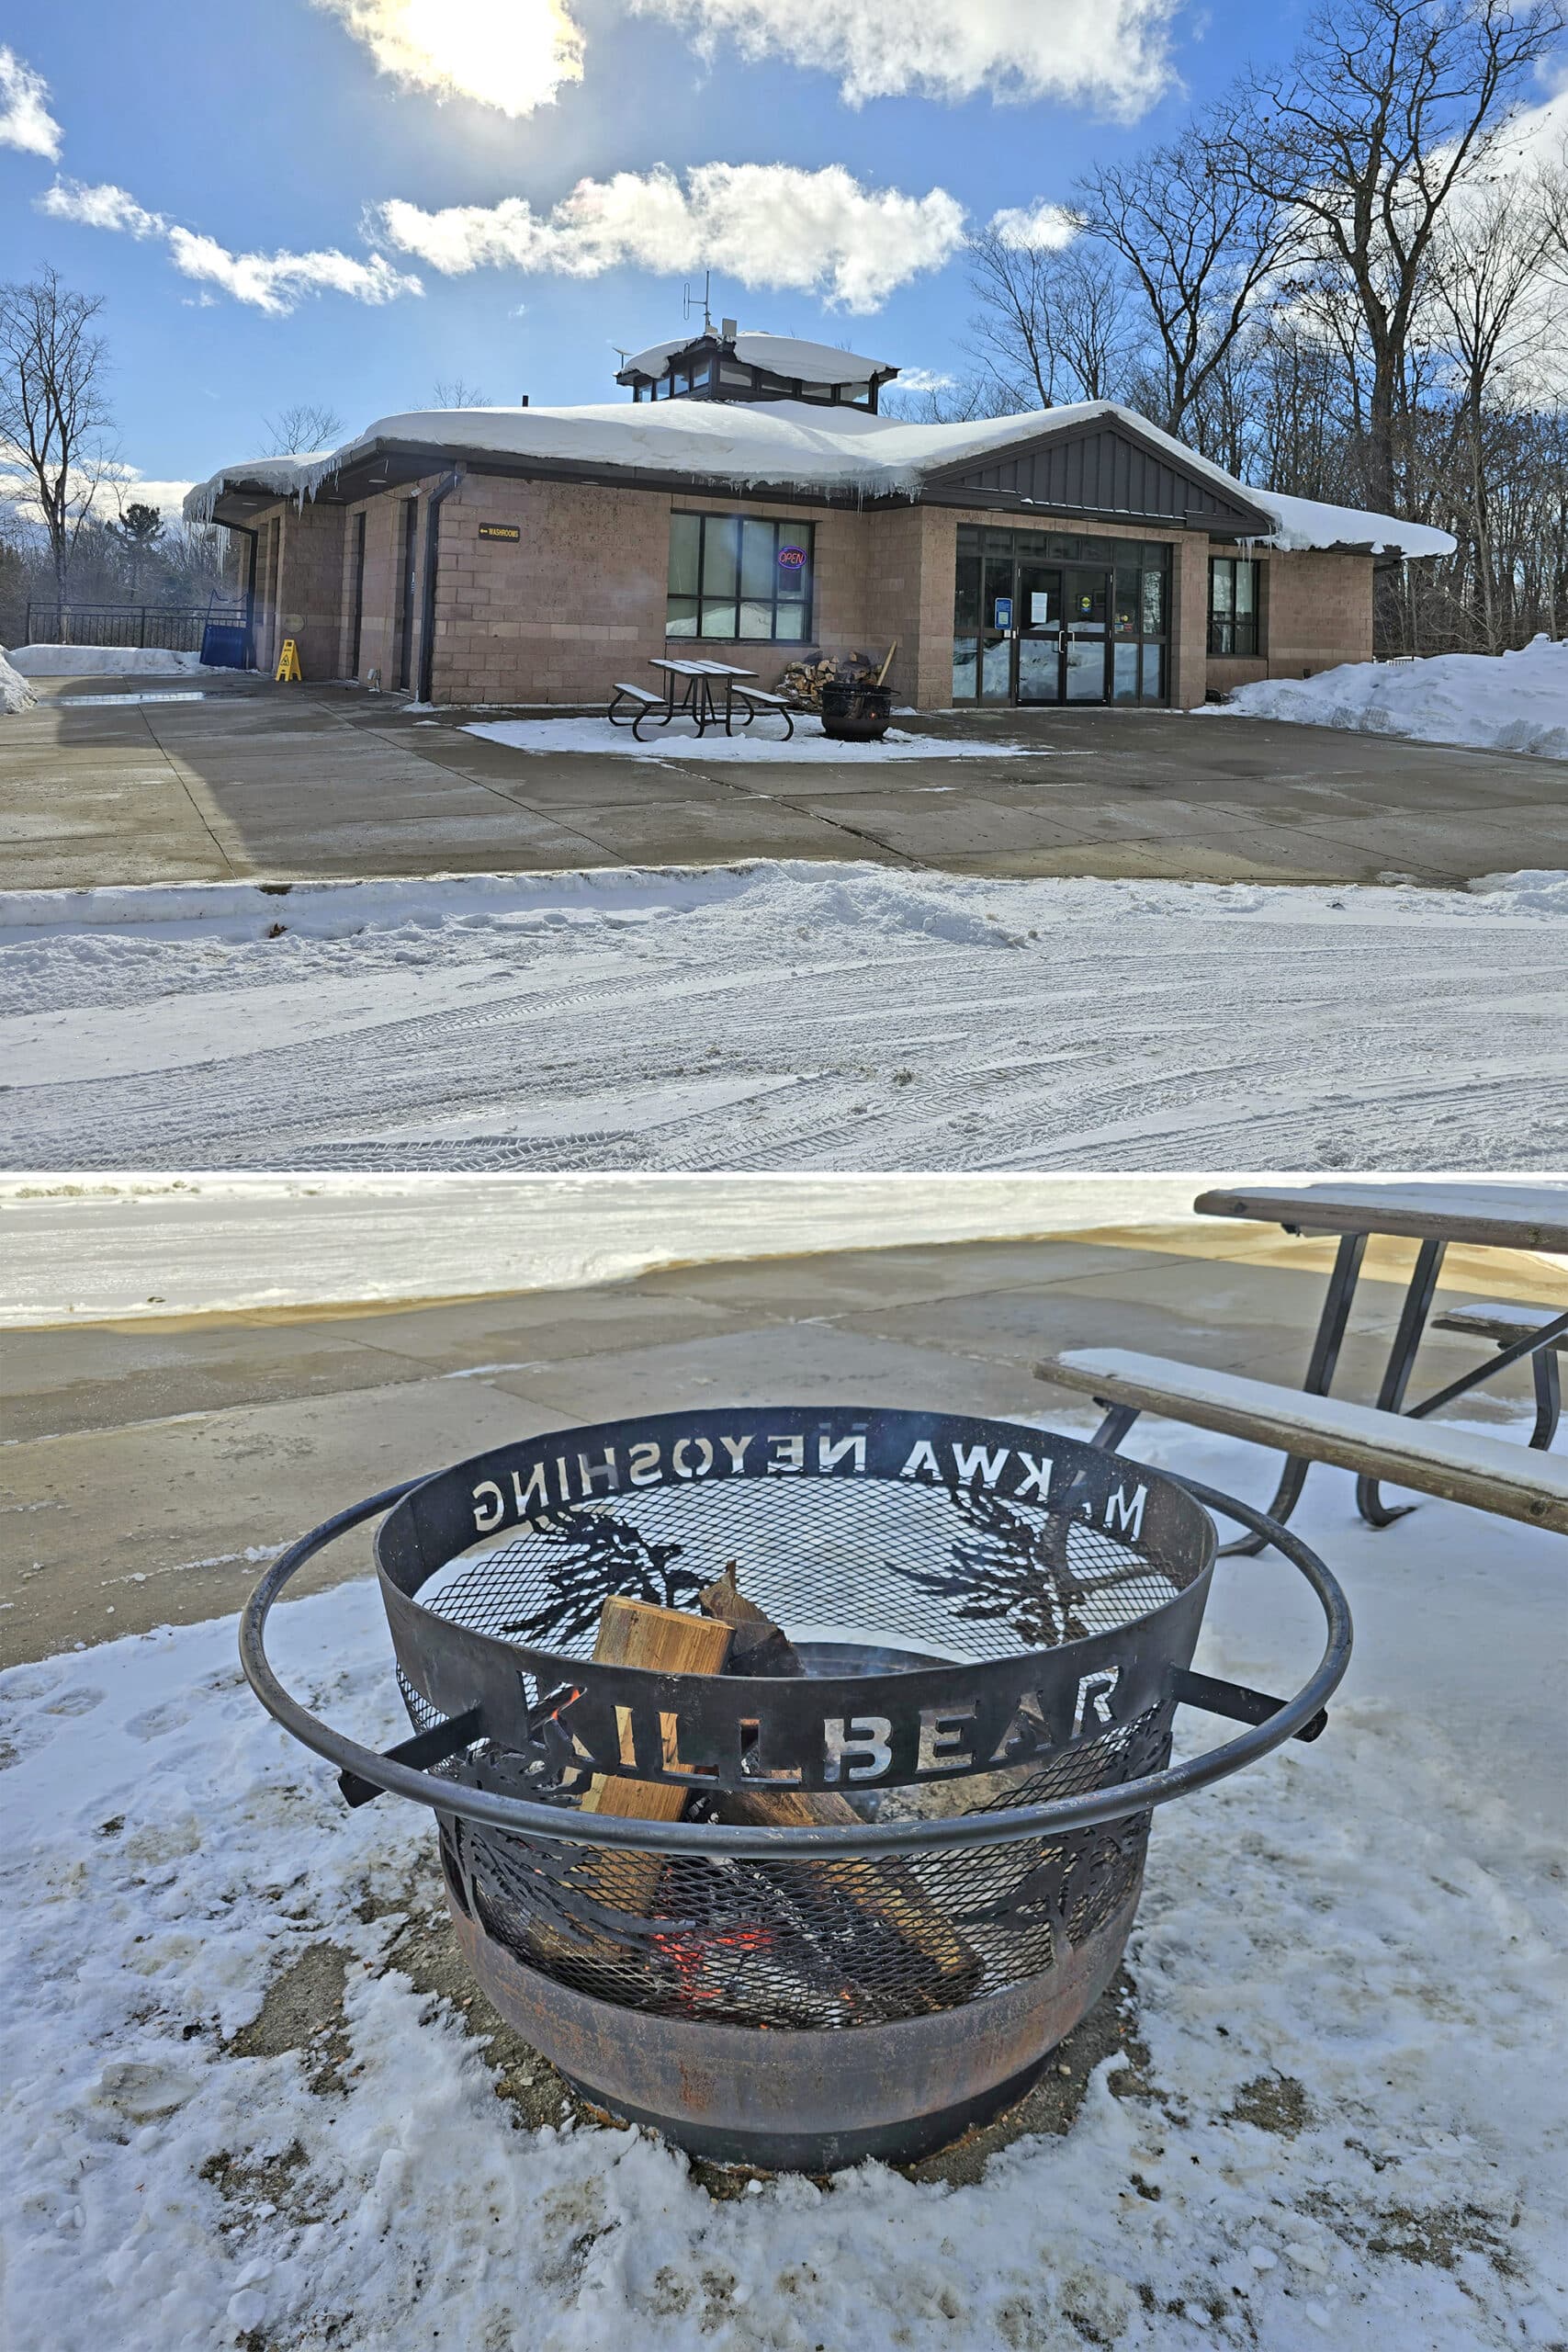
(736, 576)
(1233, 605)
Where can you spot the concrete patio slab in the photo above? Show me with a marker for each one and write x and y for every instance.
(1185, 799)
(152, 1465)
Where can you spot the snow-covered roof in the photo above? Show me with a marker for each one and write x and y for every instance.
(795, 445)
(1309, 523)
(781, 355)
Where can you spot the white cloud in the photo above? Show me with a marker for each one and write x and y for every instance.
(924, 380)
(271, 282)
(1035, 224)
(103, 206)
(511, 54)
(758, 224)
(1113, 56)
(276, 282)
(25, 121)
(126, 486)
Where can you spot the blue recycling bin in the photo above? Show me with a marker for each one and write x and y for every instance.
(226, 645)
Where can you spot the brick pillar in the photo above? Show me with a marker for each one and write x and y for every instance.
(309, 586)
(1189, 616)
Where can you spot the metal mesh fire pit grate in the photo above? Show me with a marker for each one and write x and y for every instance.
(896, 1879)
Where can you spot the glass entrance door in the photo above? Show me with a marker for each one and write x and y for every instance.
(1086, 597)
(1039, 632)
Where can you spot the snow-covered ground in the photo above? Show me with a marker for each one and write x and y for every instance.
(764, 740)
(121, 1246)
(1508, 702)
(102, 662)
(1347, 1969)
(15, 692)
(784, 1016)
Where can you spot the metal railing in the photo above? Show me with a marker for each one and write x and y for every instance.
(176, 629)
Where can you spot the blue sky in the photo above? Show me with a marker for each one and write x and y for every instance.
(272, 130)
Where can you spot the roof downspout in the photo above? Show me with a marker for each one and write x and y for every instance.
(433, 505)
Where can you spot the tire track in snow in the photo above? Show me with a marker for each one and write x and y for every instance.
(853, 1021)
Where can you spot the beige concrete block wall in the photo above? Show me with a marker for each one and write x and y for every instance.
(1189, 624)
(577, 601)
(559, 615)
(1317, 611)
(309, 586)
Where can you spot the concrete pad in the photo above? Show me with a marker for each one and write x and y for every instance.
(685, 831)
(173, 1520)
(178, 1449)
(1166, 795)
(796, 1362)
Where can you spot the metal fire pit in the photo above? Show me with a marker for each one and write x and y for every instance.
(996, 1624)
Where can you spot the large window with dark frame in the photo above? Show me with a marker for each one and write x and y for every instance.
(1233, 605)
(739, 576)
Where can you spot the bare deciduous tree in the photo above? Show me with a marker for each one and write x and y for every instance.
(1201, 243)
(54, 409)
(1505, 328)
(456, 393)
(1386, 109)
(301, 429)
(1053, 320)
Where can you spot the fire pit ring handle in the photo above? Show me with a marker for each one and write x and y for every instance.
(1016, 1826)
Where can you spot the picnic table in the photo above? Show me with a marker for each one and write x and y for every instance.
(1489, 1217)
(689, 693)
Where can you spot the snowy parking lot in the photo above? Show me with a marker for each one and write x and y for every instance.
(784, 1016)
(252, 2106)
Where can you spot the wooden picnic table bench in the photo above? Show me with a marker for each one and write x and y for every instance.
(1490, 1474)
(689, 693)
(1506, 1215)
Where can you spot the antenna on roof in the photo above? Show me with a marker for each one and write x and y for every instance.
(689, 302)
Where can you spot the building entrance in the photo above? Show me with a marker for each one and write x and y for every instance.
(1054, 619)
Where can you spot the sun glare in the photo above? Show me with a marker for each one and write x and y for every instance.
(511, 54)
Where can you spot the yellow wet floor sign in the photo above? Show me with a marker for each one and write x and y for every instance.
(288, 664)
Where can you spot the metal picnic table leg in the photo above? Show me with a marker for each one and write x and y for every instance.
(1326, 1349)
(1396, 1378)
(1548, 1398)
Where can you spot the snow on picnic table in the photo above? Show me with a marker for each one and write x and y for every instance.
(1508, 702)
(1349, 2135)
(784, 1016)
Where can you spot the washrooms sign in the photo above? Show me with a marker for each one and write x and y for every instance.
(509, 532)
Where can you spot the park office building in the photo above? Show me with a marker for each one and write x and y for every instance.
(746, 502)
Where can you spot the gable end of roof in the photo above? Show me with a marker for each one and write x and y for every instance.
(1102, 467)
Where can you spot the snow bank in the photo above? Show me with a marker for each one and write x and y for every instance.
(781, 1015)
(102, 662)
(108, 1248)
(15, 692)
(1510, 701)
(761, 741)
(1348, 2131)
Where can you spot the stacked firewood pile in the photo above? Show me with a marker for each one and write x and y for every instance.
(802, 681)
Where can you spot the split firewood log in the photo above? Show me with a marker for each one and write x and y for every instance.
(618, 1878)
(934, 1966)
